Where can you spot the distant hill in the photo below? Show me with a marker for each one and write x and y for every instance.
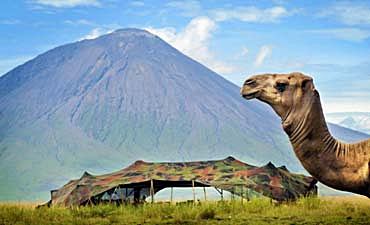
(359, 121)
(100, 104)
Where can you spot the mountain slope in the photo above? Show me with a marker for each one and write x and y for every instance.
(354, 120)
(99, 104)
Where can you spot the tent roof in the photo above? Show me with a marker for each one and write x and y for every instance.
(277, 183)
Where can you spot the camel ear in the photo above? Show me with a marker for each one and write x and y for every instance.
(316, 93)
(307, 84)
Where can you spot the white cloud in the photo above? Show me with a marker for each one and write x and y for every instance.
(251, 14)
(137, 3)
(243, 13)
(96, 32)
(10, 22)
(167, 33)
(244, 52)
(188, 8)
(347, 34)
(265, 51)
(79, 22)
(348, 13)
(68, 3)
(194, 40)
(241, 55)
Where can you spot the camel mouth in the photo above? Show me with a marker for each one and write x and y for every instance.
(251, 95)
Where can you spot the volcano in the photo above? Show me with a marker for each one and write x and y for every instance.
(99, 104)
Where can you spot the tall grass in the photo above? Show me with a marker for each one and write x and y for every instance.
(257, 211)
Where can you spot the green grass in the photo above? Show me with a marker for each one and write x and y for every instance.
(348, 210)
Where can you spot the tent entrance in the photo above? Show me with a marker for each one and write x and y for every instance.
(138, 192)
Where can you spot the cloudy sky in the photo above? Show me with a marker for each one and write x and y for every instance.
(329, 41)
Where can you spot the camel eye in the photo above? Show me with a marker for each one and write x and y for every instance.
(250, 82)
(281, 86)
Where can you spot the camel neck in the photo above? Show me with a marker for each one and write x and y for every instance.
(310, 136)
(307, 128)
(325, 158)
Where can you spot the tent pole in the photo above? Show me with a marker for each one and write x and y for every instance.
(221, 192)
(248, 195)
(205, 194)
(121, 193)
(192, 183)
(115, 189)
(126, 195)
(233, 194)
(218, 190)
(110, 197)
(242, 194)
(171, 194)
(152, 190)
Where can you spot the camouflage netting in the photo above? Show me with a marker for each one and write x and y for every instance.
(228, 174)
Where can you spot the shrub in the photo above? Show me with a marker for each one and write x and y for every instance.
(207, 213)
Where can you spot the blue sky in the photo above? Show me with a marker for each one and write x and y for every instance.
(328, 40)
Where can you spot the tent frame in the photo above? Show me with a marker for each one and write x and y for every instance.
(153, 185)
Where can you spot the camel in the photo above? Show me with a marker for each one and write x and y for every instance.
(293, 97)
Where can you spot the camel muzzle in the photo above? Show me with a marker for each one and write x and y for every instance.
(249, 95)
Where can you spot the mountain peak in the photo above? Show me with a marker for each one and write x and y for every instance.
(128, 33)
(132, 31)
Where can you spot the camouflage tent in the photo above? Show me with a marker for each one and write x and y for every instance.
(142, 179)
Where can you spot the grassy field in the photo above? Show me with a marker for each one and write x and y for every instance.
(335, 210)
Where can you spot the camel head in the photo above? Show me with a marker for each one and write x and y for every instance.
(283, 92)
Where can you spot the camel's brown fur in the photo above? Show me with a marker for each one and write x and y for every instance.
(294, 98)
